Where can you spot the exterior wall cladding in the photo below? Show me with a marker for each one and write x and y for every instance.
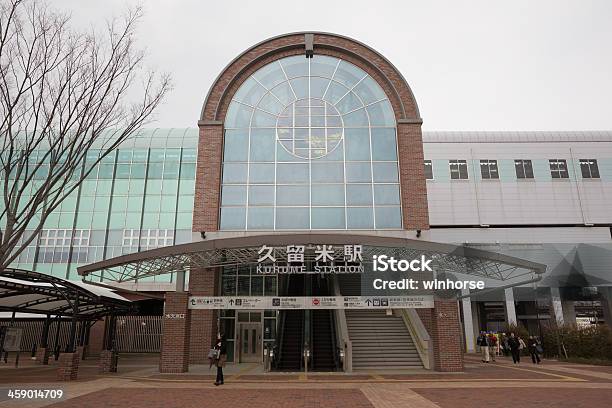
(542, 196)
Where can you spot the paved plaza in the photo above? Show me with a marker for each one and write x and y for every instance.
(500, 384)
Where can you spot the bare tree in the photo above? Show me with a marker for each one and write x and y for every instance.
(63, 94)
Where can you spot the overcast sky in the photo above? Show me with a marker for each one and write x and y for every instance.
(472, 65)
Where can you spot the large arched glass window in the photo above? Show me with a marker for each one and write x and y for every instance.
(310, 144)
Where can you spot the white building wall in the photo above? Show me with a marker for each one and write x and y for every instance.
(511, 201)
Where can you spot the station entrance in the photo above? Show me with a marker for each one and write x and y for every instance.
(250, 340)
(309, 321)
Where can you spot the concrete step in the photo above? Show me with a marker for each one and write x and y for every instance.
(380, 341)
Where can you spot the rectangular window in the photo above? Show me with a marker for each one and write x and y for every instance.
(524, 169)
(62, 237)
(155, 238)
(558, 168)
(55, 245)
(428, 170)
(458, 169)
(148, 238)
(589, 168)
(488, 170)
(130, 238)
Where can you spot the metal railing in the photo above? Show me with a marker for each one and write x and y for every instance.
(134, 334)
(343, 341)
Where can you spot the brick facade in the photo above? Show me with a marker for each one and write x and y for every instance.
(445, 333)
(199, 327)
(208, 178)
(412, 176)
(203, 327)
(174, 356)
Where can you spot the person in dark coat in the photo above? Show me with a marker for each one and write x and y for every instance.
(221, 348)
(515, 348)
(532, 346)
(483, 342)
(504, 345)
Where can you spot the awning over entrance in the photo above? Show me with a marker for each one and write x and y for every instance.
(244, 250)
(31, 292)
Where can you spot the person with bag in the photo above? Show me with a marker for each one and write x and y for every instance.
(515, 348)
(220, 357)
(533, 344)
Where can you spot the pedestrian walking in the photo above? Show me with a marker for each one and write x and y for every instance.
(504, 345)
(515, 348)
(532, 345)
(221, 357)
(483, 342)
(493, 345)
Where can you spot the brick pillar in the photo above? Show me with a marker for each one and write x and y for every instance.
(446, 336)
(68, 369)
(42, 355)
(106, 363)
(203, 328)
(174, 356)
(208, 177)
(412, 175)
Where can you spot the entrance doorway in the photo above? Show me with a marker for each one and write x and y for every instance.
(250, 342)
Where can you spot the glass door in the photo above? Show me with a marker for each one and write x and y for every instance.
(250, 342)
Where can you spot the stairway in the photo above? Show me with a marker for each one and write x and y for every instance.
(380, 342)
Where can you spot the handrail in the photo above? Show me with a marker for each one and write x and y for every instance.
(420, 336)
(307, 340)
(336, 353)
(280, 324)
(280, 334)
(342, 338)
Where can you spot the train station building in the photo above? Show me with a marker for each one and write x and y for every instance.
(309, 160)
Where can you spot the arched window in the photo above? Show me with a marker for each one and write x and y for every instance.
(310, 143)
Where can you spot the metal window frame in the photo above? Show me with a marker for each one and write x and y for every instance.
(255, 106)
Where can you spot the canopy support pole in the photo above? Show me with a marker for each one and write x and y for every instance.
(73, 326)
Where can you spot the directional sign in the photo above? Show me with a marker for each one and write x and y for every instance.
(309, 302)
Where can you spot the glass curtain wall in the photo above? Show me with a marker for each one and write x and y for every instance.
(310, 143)
(139, 197)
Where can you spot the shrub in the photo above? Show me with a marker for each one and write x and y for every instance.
(594, 342)
(518, 330)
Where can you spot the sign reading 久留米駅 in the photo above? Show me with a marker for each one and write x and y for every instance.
(325, 259)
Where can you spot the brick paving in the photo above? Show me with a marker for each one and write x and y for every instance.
(518, 397)
(220, 398)
(500, 384)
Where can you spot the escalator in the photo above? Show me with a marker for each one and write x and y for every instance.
(323, 330)
(291, 346)
(292, 330)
